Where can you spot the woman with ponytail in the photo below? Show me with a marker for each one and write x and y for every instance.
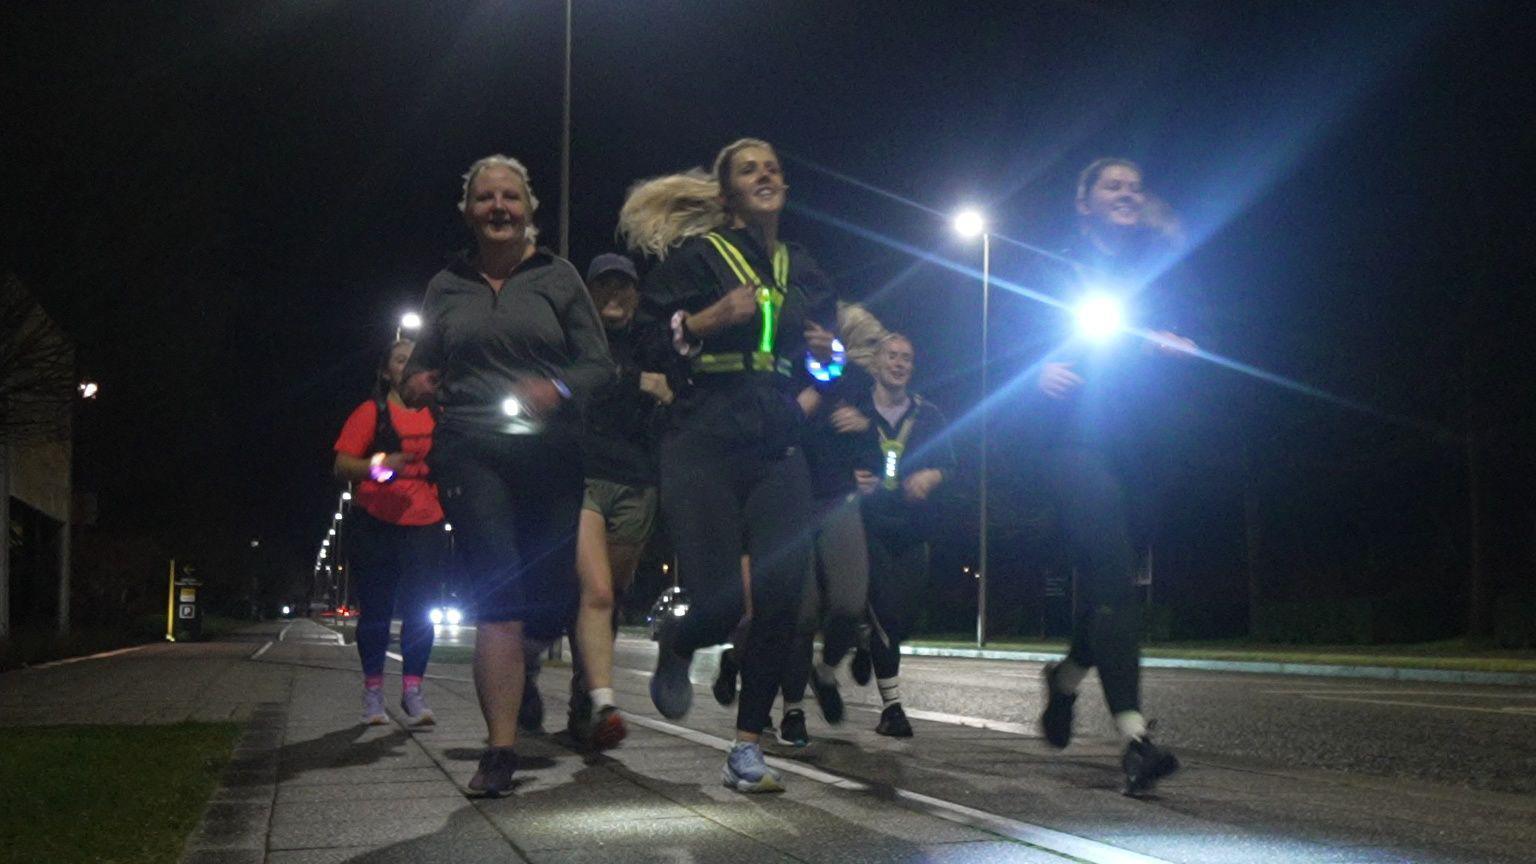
(739, 302)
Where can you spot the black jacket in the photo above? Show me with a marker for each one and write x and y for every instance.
(746, 409)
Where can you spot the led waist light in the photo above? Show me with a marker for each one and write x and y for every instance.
(1099, 317)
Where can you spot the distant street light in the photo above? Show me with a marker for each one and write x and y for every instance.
(89, 389)
(969, 223)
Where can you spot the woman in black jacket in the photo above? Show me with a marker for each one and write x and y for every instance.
(733, 479)
(1112, 393)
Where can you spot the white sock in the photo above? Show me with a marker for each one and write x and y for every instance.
(793, 706)
(1131, 724)
(825, 673)
(602, 697)
(1067, 677)
(890, 691)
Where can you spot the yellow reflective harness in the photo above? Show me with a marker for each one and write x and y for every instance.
(770, 302)
(892, 448)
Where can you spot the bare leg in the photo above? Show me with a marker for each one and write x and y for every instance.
(594, 622)
(499, 676)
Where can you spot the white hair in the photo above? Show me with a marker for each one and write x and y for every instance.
(497, 160)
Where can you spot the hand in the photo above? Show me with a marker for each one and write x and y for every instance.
(739, 305)
(818, 340)
(420, 389)
(540, 396)
(397, 461)
(917, 486)
(809, 401)
(848, 420)
(1172, 344)
(655, 383)
(1058, 379)
(866, 480)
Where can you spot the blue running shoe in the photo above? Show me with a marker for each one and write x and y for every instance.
(373, 707)
(747, 771)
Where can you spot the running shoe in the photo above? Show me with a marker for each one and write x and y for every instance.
(1056, 719)
(893, 722)
(724, 687)
(415, 707)
(373, 707)
(861, 666)
(792, 731)
(494, 774)
(606, 731)
(1146, 763)
(747, 771)
(827, 698)
(530, 714)
(671, 691)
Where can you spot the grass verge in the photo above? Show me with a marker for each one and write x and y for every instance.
(107, 794)
(1453, 654)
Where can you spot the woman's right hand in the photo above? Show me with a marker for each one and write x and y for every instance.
(1057, 380)
(738, 305)
(398, 461)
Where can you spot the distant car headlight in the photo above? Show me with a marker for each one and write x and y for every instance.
(454, 616)
(436, 615)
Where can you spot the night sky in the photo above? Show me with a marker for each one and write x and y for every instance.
(229, 205)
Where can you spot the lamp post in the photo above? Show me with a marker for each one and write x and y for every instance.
(970, 224)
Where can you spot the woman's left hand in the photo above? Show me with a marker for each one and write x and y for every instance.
(1172, 344)
(540, 396)
(818, 340)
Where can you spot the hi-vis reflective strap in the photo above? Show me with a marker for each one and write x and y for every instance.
(757, 361)
(770, 298)
(892, 448)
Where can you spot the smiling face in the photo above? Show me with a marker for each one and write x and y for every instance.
(496, 207)
(894, 363)
(754, 184)
(1115, 199)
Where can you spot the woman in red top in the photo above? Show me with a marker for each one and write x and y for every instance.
(397, 535)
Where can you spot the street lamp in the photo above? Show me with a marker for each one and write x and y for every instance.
(969, 223)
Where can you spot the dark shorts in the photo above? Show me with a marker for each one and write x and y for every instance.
(629, 512)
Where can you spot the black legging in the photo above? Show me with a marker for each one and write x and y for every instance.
(398, 569)
(514, 501)
(1092, 510)
(720, 501)
(835, 596)
(898, 575)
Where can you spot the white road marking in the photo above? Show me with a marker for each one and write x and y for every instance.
(102, 656)
(1039, 836)
(283, 633)
(1404, 703)
(262, 650)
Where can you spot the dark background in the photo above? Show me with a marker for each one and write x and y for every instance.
(228, 205)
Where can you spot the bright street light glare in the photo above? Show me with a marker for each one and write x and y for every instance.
(337, 517)
(410, 321)
(447, 526)
(969, 223)
(511, 406)
(89, 389)
(1099, 317)
(346, 496)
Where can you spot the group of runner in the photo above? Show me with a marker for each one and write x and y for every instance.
(773, 428)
